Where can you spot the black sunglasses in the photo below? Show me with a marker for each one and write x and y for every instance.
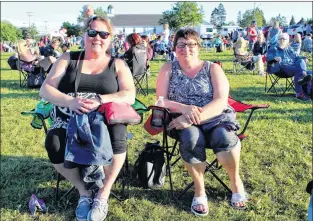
(93, 33)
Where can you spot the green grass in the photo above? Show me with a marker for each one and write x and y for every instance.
(275, 162)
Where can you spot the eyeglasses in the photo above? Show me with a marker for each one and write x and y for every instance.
(282, 39)
(183, 45)
(93, 33)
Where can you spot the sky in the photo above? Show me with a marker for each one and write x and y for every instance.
(50, 15)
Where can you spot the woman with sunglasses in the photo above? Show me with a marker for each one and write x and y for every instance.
(199, 91)
(103, 79)
(291, 64)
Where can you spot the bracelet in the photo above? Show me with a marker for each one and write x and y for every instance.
(100, 100)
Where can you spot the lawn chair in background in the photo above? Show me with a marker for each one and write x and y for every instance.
(275, 76)
(172, 151)
(41, 114)
(32, 67)
(243, 63)
(139, 72)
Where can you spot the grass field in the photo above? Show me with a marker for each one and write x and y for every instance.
(276, 160)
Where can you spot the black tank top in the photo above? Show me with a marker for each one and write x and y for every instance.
(89, 85)
(102, 83)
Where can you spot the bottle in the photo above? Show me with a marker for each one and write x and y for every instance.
(158, 115)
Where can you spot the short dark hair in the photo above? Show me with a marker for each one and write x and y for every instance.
(186, 33)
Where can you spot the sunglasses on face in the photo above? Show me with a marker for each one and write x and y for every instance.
(93, 33)
(183, 45)
(282, 39)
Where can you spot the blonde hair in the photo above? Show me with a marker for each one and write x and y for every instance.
(22, 46)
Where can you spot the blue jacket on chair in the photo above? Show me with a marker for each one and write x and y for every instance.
(88, 140)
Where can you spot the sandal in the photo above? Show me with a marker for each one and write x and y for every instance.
(239, 198)
(202, 200)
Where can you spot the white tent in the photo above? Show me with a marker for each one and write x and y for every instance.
(51, 35)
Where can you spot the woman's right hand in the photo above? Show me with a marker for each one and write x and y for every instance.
(83, 105)
(192, 114)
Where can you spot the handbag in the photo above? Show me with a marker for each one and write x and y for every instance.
(119, 113)
(35, 80)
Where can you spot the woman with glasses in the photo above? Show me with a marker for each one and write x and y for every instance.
(291, 64)
(103, 79)
(199, 91)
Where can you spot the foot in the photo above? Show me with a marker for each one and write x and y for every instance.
(261, 73)
(98, 211)
(303, 97)
(238, 200)
(83, 207)
(199, 206)
(305, 79)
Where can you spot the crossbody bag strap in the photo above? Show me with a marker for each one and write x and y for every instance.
(78, 72)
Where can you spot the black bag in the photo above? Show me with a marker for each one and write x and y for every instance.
(35, 80)
(150, 166)
(250, 66)
(12, 62)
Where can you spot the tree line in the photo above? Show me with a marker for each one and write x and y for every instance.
(182, 14)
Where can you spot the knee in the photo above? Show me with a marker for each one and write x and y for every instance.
(192, 146)
(223, 140)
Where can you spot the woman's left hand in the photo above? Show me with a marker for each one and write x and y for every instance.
(179, 123)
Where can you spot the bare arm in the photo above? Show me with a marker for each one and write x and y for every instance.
(49, 89)
(162, 85)
(220, 95)
(127, 91)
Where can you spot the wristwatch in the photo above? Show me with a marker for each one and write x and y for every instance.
(99, 98)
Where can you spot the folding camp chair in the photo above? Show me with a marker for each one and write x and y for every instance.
(279, 82)
(139, 71)
(171, 151)
(243, 63)
(124, 173)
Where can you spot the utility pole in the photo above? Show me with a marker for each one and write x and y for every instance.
(46, 25)
(29, 15)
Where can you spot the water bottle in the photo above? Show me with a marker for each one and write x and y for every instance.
(157, 115)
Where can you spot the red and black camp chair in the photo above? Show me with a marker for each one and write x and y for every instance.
(212, 167)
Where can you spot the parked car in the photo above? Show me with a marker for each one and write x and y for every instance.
(294, 29)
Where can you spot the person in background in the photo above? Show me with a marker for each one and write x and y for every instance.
(166, 33)
(146, 42)
(291, 63)
(51, 49)
(135, 43)
(199, 90)
(307, 43)
(88, 13)
(252, 34)
(218, 43)
(273, 33)
(296, 44)
(259, 53)
(103, 80)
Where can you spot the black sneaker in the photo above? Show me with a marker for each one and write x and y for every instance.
(305, 79)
